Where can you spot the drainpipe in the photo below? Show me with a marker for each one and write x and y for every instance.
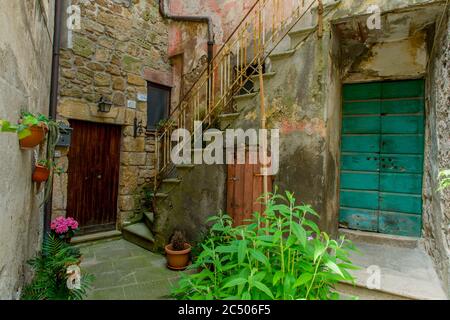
(201, 19)
(53, 96)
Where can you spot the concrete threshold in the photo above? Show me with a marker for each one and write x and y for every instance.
(405, 272)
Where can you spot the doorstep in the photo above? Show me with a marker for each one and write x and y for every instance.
(407, 272)
(114, 234)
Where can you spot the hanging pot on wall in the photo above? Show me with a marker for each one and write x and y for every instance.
(178, 260)
(34, 139)
(41, 174)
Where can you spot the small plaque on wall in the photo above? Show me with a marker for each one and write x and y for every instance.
(142, 97)
(131, 104)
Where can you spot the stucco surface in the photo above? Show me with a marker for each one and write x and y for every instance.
(437, 157)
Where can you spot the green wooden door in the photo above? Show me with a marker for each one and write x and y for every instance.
(382, 157)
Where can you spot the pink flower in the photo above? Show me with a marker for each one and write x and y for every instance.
(62, 225)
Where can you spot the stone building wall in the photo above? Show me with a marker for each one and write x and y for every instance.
(25, 65)
(437, 156)
(117, 50)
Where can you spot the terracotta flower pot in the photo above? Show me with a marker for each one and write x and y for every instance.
(178, 260)
(33, 140)
(41, 174)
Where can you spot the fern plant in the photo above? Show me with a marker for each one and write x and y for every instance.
(51, 279)
(281, 254)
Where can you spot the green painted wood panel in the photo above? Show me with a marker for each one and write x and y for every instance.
(402, 124)
(400, 224)
(382, 157)
(360, 143)
(360, 161)
(402, 106)
(359, 199)
(404, 163)
(361, 124)
(359, 180)
(362, 91)
(405, 203)
(402, 89)
(401, 183)
(403, 144)
(366, 107)
(359, 219)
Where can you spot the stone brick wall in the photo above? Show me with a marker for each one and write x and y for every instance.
(120, 45)
(25, 68)
(437, 157)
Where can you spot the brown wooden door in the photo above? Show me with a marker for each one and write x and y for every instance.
(244, 187)
(94, 160)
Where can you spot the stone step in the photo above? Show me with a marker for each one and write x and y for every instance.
(108, 235)
(405, 273)
(139, 234)
(167, 185)
(243, 100)
(381, 239)
(278, 60)
(184, 166)
(247, 96)
(281, 55)
(161, 195)
(227, 119)
(298, 36)
(149, 219)
(172, 181)
(266, 77)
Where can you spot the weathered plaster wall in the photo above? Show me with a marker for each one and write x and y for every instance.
(25, 64)
(201, 194)
(117, 50)
(436, 221)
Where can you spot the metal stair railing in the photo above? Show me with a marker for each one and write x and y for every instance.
(259, 33)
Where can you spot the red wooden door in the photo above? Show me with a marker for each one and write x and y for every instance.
(245, 186)
(94, 160)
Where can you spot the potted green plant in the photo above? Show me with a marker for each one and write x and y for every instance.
(178, 252)
(31, 129)
(42, 171)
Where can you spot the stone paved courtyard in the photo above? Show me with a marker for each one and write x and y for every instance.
(125, 271)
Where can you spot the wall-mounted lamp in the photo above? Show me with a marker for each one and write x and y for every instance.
(104, 105)
(139, 128)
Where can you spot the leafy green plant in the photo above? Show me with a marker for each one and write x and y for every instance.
(444, 178)
(280, 255)
(144, 199)
(22, 128)
(50, 267)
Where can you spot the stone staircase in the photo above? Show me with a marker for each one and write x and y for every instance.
(152, 233)
(407, 272)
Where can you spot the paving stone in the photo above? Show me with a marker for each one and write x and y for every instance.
(157, 290)
(131, 263)
(126, 271)
(113, 279)
(152, 274)
(107, 294)
(112, 254)
(96, 268)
